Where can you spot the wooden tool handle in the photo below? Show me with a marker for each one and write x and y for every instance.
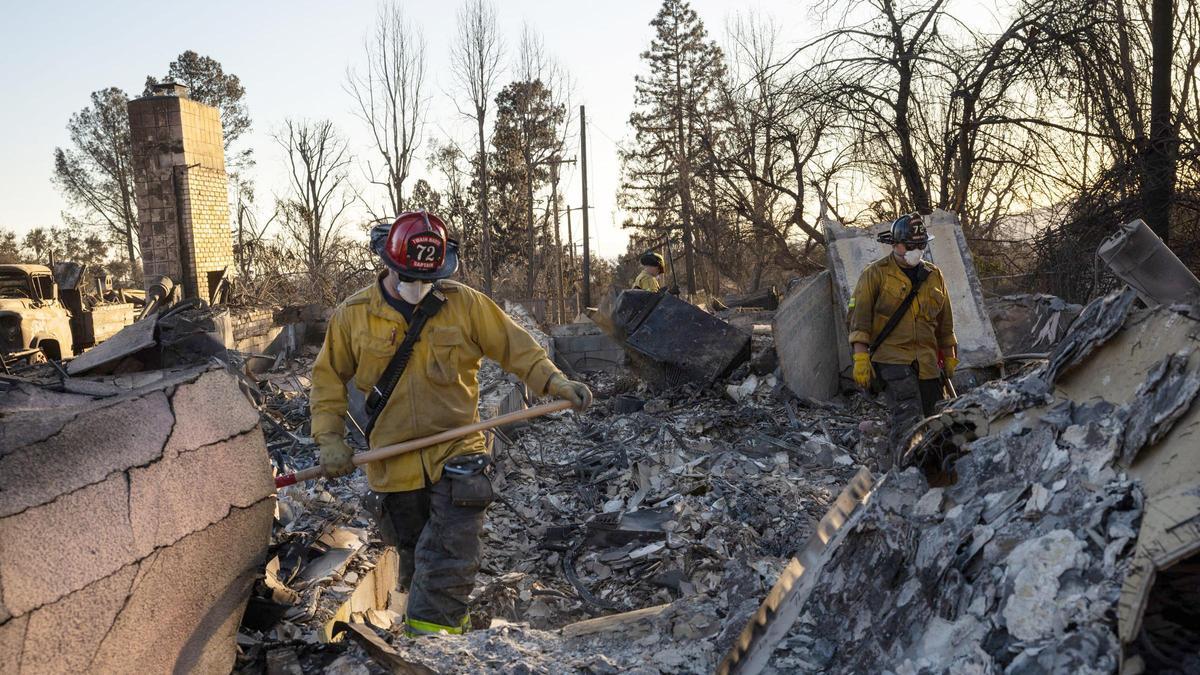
(387, 451)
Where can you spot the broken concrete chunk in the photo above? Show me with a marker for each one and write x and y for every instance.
(806, 340)
(1167, 393)
(1033, 611)
(158, 551)
(930, 504)
(1096, 324)
(1139, 258)
(672, 342)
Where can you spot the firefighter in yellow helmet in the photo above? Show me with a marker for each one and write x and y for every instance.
(905, 361)
(429, 504)
(652, 268)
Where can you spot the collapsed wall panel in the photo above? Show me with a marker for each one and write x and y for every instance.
(851, 250)
(806, 340)
(131, 527)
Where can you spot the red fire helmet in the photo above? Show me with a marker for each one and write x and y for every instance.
(416, 245)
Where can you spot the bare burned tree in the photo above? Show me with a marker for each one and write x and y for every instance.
(1098, 68)
(390, 99)
(475, 60)
(875, 68)
(318, 161)
(769, 149)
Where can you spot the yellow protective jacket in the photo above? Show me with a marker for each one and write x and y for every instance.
(646, 282)
(927, 325)
(439, 389)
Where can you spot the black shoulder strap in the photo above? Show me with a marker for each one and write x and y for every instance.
(380, 393)
(894, 319)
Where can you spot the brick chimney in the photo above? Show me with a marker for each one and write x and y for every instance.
(181, 188)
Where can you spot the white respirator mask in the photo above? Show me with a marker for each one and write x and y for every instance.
(413, 292)
(913, 258)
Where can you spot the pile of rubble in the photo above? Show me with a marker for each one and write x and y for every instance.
(1061, 494)
(1042, 522)
(693, 496)
(644, 533)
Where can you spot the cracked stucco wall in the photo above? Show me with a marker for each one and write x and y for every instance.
(131, 528)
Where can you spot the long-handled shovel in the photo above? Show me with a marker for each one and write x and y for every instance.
(387, 451)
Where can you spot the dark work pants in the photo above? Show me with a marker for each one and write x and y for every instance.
(439, 549)
(910, 399)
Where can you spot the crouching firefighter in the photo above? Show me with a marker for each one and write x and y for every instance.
(412, 342)
(900, 322)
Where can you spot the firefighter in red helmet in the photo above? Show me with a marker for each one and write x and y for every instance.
(412, 343)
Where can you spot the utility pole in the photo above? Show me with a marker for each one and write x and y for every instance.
(587, 259)
(561, 306)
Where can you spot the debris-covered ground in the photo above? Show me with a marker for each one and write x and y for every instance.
(1031, 551)
(698, 498)
(641, 536)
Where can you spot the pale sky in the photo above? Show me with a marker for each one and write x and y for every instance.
(292, 58)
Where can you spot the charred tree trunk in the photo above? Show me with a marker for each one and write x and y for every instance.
(1158, 163)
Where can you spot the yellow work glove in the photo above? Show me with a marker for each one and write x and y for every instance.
(335, 455)
(568, 390)
(949, 364)
(862, 369)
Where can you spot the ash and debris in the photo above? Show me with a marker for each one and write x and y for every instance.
(1017, 564)
(687, 503)
(694, 498)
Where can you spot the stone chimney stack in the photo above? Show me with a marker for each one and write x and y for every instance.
(182, 189)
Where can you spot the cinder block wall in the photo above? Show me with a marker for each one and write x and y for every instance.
(181, 189)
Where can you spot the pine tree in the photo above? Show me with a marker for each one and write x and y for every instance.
(673, 109)
(525, 140)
